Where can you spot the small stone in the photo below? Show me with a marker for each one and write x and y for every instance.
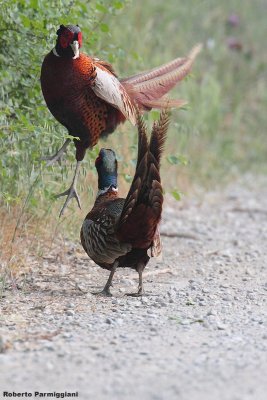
(162, 303)
(70, 313)
(67, 335)
(145, 300)
(211, 312)
(49, 366)
(70, 305)
(221, 326)
(49, 347)
(251, 296)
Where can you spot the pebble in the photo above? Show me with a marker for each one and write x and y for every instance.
(226, 298)
(162, 303)
(70, 313)
(251, 296)
(222, 326)
(49, 347)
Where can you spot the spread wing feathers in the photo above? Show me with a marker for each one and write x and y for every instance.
(143, 205)
(148, 92)
(161, 84)
(106, 86)
(153, 73)
(100, 242)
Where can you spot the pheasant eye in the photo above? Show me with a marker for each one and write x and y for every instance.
(66, 38)
(80, 39)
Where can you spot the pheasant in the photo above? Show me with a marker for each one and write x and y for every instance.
(120, 232)
(85, 95)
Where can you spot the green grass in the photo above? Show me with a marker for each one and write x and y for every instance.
(219, 136)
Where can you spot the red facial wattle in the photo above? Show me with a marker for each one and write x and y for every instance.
(80, 39)
(66, 38)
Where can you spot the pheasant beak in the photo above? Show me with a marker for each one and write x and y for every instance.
(75, 49)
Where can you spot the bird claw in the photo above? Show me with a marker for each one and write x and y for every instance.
(71, 193)
(52, 159)
(134, 294)
(58, 156)
(140, 293)
(104, 293)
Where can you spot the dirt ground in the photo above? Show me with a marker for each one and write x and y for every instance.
(198, 333)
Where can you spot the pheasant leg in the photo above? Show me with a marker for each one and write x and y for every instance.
(106, 291)
(140, 290)
(58, 156)
(71, 192)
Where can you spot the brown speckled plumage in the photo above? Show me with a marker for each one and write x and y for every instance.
(66, 85)
(124, 232)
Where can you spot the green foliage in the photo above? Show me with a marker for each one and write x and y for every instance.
(177, 159)
(176, 194)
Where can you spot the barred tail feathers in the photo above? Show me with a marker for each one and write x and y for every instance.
(148, 89)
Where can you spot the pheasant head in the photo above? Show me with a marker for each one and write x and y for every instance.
(106, 165)
(69, 41)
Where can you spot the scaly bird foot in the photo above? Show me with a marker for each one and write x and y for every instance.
(52, 159)
(104, 293)
(71, 193)
(58, 156)
(140, 293)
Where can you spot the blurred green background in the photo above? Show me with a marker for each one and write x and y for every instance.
(219, 136)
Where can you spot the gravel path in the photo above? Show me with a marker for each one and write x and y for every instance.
(199, 333)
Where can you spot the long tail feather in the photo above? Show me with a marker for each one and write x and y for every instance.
(143, 205)
(160, 85)
(165, 103)
(159, 135)
(142, 138)
(153, 73)
(147, 89)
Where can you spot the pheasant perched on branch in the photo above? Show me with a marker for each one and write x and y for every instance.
(84, 94)
(121, 232)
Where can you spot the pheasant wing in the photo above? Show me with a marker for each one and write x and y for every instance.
(98, 234)
(100, 242)
(106, 86)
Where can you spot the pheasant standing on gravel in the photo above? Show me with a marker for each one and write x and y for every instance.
(121, 232)
(84, 94)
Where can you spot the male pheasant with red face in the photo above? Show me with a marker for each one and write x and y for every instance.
(121, 232)
(84, 94)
